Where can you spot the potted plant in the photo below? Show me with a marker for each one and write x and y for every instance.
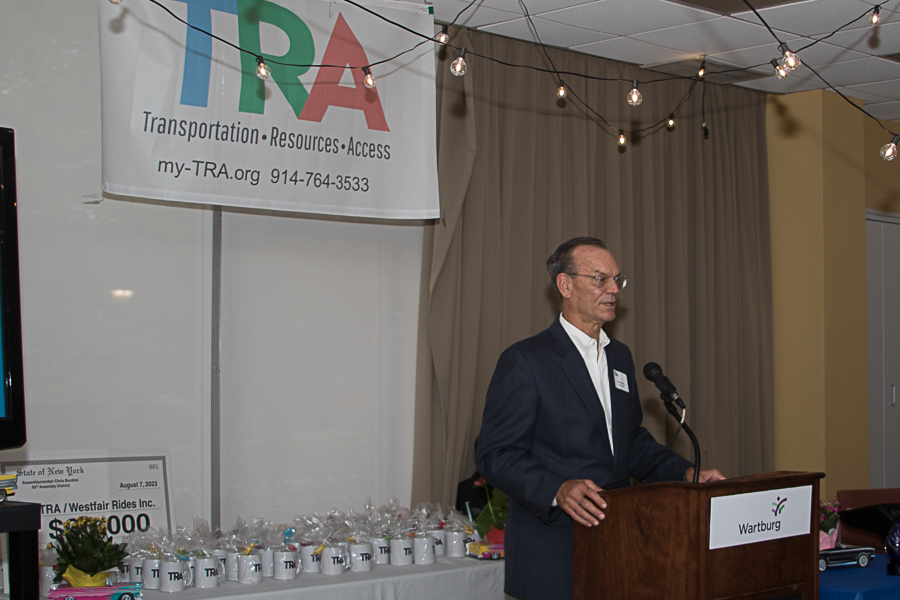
(86, 552)
(491, 522)
(829, 523)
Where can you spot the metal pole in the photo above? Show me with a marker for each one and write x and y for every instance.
(215, 426)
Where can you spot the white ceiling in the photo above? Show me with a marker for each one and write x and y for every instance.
(654, 32)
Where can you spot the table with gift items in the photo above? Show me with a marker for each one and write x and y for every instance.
(387, 551)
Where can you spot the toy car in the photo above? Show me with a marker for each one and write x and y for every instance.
(485, 550)
(116, 591)
(8, 485)
(842, 555)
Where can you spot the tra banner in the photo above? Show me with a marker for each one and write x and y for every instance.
(185, 117)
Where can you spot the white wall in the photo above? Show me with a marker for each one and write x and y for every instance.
(318, 356)
(318, 316)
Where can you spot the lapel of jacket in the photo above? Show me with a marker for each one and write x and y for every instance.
(573, 365)
(619, 398)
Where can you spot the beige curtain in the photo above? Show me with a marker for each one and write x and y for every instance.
(686, 217)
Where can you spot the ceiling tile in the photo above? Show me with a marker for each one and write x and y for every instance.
(757, 55)
(625, 17)
(709, 37)
(446, 10)
(824, 53)
(861, 95)
(811, 18)
(892, 5)
(633, 51)
(773, 85)
(882, 89)
(534, 6)
(889, 111)
(734, 6)
(551, 33)
(880, 40)
(855, 72)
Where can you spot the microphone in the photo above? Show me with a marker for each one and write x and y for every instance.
(654, 373)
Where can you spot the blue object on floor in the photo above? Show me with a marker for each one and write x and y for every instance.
(854, 583)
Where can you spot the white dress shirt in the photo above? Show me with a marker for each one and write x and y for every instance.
(595, 360)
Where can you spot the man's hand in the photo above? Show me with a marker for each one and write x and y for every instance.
(580, 500)
(705, 475)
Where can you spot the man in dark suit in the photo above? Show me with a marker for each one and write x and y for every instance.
(562, 421)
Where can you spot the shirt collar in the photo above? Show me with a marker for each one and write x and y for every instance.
(584, 343)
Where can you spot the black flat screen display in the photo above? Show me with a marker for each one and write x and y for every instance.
(12, 390)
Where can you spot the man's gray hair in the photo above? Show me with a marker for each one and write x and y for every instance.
(561, 261)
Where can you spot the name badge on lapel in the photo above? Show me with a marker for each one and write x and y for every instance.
(621, 380)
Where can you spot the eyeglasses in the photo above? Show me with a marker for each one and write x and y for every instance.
(603, 280)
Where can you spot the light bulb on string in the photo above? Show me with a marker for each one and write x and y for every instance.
(889, 150)
(634, 96)
(262, 69)
(705, 131)
(115, 1)
(780, 71)
(369, 79)
(789, 60)
(561, 91)
(671, 122)
(458, 67)
(702, 70)
(443, 37)
(621, 137)
(874, 19)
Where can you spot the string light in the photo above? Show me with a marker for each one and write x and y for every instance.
(671, 122)
(874, 19)
(459, 67)
(789, 60)
(262, 69)
(369, 79)
(780, 71)
(634, 96)
(889, 150)
(443, 37)
(705, 131)
(561, 91)
(115, 1)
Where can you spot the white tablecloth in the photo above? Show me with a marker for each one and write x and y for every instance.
(447, 579)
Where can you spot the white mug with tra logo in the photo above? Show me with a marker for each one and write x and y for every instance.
(312, 560)
(401, 550)
(175, 575)
(381, 551)
(332, 562)
(361, 556)
(208, 572)
(150, 574)
(250, 568)
(285, 566)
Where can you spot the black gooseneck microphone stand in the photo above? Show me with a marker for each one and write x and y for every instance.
(673, 410)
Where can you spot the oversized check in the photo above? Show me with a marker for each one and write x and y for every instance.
(132, 492)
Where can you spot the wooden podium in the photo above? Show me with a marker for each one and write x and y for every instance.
(654, 543)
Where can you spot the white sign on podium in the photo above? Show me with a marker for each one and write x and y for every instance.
(759, 516)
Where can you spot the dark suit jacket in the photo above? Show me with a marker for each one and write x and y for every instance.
(544, 424)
